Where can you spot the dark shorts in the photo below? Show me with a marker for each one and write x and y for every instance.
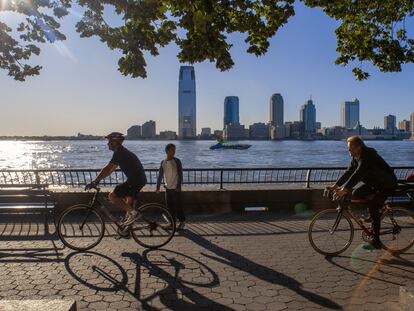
(127, 189)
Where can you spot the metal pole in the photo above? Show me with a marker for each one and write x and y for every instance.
(308, 174)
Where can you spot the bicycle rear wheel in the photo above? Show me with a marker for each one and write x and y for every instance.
(81, 227)
(397, 230)
(154, 227)
(330, 233)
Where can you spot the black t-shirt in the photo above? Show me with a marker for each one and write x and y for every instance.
(130, 165)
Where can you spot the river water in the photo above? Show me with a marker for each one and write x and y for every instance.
(195, 154)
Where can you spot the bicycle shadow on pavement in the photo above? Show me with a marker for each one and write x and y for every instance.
(102, 273)
(169, 266)
(364, 267)
(259, 271)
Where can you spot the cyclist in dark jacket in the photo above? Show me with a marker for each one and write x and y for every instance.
(368, 177)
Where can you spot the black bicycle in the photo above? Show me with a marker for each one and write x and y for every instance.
(331, 231)
(82, 226)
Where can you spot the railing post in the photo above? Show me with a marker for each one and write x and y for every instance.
(308, 174)
(37, 177)
(221, 179)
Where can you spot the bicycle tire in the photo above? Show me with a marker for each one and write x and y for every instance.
(77, 213)
(153, 217)
(390, 240)
(331, 215)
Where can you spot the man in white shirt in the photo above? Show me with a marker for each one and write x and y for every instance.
(171, 170)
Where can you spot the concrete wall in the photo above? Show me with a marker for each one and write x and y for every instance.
(220, 201)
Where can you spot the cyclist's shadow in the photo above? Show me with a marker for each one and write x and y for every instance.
(170, 296)
(237, 261)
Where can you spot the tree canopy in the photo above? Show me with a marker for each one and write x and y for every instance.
(369, 30)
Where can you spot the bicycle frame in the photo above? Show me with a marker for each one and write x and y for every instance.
(348, 210)
(96, 203)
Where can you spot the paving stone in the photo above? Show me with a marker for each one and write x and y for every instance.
(259, 268)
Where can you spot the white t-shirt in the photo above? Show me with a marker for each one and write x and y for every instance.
(170, 174)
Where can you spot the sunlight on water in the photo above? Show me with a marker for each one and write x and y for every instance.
(16, 155)
(194, 154)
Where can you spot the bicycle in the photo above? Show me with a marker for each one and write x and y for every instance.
(82, 226)
(331, 231)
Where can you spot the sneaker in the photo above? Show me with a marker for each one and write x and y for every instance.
(372, 245)
(130, 218)
(181, 225)
(366, 219)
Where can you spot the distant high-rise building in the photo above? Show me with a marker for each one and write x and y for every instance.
(134, 132)
(149, 129)
(404, 125)
(412, 123)
(390, 123)
(308, 117)
(350, 113)
(187, 103)
(276, 110)
(231, 110)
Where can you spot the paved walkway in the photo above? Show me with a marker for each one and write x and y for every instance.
(233, 262)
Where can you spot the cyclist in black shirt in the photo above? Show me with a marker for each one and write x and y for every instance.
(123, 194)
(368, 177)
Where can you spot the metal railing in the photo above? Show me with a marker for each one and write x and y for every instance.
(75, 178)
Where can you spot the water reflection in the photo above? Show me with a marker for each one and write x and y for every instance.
(94, 154)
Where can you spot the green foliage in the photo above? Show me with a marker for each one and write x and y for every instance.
(17, 46)
(369, 30)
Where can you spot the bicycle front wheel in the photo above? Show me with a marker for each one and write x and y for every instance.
(397, 230)
(81, 227)
(154, 227)
(330, 233)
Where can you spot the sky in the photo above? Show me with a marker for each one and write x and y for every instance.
(81, 90)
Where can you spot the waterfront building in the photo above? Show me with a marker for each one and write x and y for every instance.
(149, 129)
(390, 123)
(231, 110)
(404, 126)
(259, 131)
(350, 113)
(334, 132)
(278, 132)
(276, 110)
(308, 117)
(187, 103)
(294, 129)
(412, 123)
(205, 131)
(234, 131)
(168, 135)
(318, 125)
(134, 132)
(218, 134)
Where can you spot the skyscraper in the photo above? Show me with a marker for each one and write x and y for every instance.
(187, 103)
(308, 117)
(350, 113)
(412, 123)
(390, 123)
(276, 110)
(231, 110)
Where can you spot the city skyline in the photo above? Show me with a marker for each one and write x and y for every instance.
(87, 90)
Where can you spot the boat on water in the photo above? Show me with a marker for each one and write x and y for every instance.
(221, 145)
